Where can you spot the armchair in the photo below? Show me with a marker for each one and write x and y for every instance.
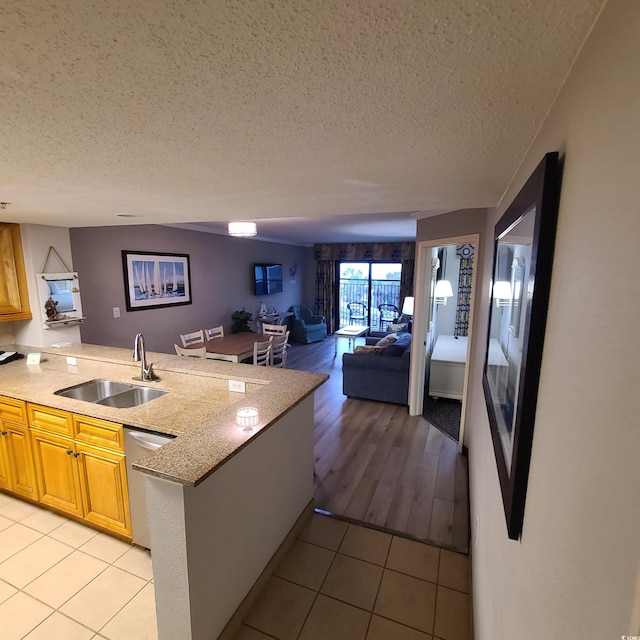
(305, 326)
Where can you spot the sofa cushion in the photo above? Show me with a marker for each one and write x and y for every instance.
(387, 340)
(397, 328)
(369, 348)
(396, 349)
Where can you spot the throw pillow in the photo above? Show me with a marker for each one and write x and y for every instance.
(369, 348)
(387, 340)
(396, 328)
(399, 347)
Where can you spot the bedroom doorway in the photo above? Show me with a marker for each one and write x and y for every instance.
(445, 291)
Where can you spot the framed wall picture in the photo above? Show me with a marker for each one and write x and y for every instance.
(153, 280)
(523, 255)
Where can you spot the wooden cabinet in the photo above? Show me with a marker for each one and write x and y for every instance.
(20, 457)
(57, 472)
(81, 467)
(5, 473)
(17, 473)
(71, 463)
(14, 295)
(105, 496)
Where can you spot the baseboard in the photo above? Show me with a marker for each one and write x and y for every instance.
(235, 622)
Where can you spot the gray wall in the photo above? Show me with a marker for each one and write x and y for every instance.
(450, 225)
(575, 572)
(221, 281)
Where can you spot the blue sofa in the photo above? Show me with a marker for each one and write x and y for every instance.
(383, 377)
(306, 327)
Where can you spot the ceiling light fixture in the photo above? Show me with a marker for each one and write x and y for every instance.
(242, 229)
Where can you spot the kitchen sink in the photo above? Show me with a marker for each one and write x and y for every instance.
(111, 393)
(132, 398)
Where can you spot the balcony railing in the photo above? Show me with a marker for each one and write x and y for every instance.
(382, 292)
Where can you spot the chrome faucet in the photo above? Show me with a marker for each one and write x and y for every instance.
(139, 355)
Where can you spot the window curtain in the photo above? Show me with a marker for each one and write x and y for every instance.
(327, 255)
(326, 292)
(465, 253)
(406, 280)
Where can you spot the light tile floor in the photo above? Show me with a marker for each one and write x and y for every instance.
(346, 582)
(60, 580)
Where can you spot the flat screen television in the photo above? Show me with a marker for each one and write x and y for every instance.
(267, 278)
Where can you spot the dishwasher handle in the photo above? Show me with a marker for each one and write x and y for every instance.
(143, 442)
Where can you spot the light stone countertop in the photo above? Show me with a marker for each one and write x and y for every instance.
(199, 408)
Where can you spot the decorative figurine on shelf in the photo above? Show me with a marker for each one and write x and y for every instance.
(51, 310)
(263, 310)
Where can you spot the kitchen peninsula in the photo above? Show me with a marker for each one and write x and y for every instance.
(220, 500)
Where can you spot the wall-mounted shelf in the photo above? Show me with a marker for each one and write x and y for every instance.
(57, 323)
(60, 293)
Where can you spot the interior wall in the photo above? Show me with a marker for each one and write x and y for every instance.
(7, 335)
(309, 279)
(575, 569)
(36, 241)
(221, 282)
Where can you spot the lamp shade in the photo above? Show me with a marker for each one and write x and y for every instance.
(242, 229)
(407, 307)
(443, 289)
(502, 290)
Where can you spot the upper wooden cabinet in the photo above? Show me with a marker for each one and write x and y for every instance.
(14, 296)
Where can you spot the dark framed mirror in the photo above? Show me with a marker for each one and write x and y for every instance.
(523, 255)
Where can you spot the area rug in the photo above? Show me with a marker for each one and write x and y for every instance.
(444, 415)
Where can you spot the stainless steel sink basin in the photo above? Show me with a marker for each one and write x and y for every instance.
(132, 398)
(94, 390)
(111, 393)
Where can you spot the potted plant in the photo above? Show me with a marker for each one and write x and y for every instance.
(241, 320)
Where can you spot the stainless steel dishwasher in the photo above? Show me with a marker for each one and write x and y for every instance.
(138, 444)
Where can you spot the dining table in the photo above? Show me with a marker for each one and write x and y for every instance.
(235, 347)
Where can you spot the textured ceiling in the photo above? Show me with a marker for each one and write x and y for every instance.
(177, 111)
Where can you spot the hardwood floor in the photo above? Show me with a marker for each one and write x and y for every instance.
(378, 465)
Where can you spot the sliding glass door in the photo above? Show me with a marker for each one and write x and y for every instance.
(363, 287)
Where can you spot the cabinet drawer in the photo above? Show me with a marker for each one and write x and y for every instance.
(13, 410)
(52, 420)
(99, 432)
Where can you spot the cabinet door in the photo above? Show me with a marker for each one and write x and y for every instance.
(14, 296)
(23, 475)
(105, 495)
(5, 467)
(57, 472)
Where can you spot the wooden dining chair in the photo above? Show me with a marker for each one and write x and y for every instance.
(192, 338)
(192, 353)
(274, 329)
(279, 350)
(262, 353)
(214, 332)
